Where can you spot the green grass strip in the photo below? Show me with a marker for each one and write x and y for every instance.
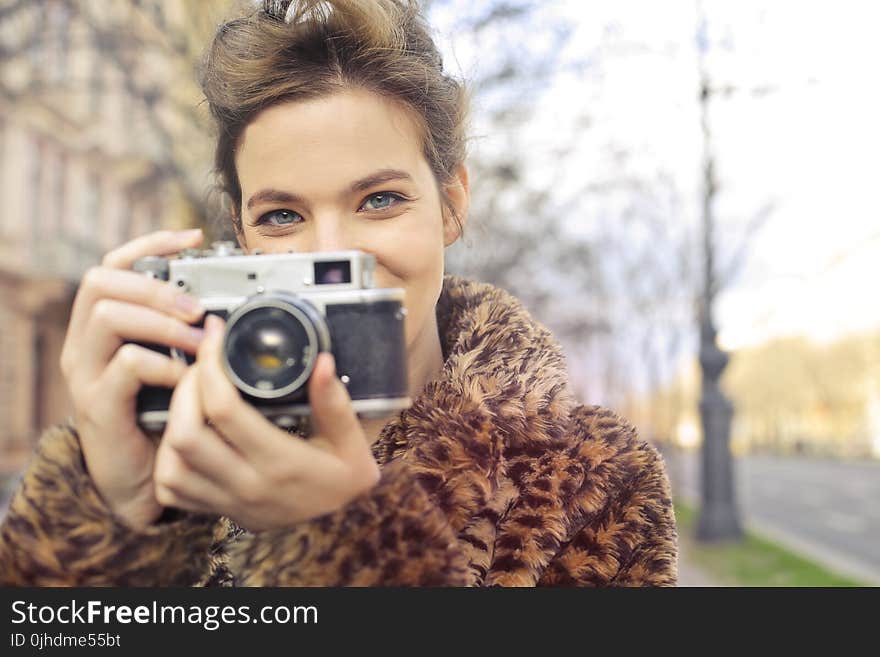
(754, 561)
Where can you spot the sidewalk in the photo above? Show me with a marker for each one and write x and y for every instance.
(689, 573)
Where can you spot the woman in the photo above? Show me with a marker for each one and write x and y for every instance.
(337, 130)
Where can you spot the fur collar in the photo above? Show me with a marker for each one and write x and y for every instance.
(502, 393)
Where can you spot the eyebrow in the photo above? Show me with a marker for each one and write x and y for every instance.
(376, 178)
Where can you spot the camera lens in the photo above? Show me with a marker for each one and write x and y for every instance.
(271, 345)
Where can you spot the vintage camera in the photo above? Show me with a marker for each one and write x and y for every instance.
(281, 311)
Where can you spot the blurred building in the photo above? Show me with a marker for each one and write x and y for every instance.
(84, 167)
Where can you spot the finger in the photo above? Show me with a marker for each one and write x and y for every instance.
(203, 450)
(237, 420)
(177, 501)
(105, 283)
(163, 242)
(186, 420)
(113, 322)
(177, 485)
(332, 412)
(134, 366)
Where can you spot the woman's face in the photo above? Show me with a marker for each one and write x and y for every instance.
(346, 171)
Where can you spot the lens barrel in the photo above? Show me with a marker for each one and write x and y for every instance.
(271, 343)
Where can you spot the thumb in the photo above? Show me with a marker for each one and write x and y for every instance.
(332, 412)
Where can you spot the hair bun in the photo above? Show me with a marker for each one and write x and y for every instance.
(276, 8)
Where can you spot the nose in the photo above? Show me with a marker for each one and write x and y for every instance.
(328, 233)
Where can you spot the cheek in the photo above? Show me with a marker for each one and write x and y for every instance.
(415, 263)
(409, 258)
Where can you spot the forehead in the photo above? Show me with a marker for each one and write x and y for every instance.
(346, 134)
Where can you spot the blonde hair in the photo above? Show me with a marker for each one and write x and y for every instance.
(305, 49)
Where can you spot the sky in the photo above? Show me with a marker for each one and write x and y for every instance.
(799, 134)
(811, 148)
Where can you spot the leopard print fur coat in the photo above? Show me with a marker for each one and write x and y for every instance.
(494, 476)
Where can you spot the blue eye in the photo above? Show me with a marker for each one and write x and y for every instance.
(280, 218)
(382, 201)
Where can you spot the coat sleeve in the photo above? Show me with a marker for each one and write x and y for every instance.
(632, 539)
(393, 535)
(58, 531)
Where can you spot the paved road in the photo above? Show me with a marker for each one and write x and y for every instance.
(827, 510)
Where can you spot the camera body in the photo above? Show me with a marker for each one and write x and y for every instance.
(281, 311)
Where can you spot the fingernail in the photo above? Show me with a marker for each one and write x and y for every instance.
(188, 304)
(212, 325)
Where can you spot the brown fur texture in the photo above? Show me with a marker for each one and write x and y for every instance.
(494, 477)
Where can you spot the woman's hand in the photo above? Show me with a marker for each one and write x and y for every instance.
(104, 372)
(220, 455)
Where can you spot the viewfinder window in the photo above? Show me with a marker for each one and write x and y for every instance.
(332, 272)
